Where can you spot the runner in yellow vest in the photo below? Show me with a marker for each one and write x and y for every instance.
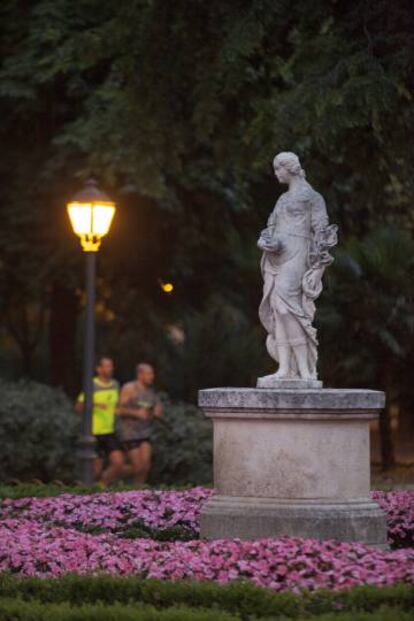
(105, 401)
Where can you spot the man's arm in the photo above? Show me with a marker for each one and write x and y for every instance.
(126, 410)
(158, 409)
(80, 404)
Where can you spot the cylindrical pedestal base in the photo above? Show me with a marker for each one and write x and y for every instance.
(227, 517)
(292, 463)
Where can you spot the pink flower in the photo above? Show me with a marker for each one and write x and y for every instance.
(85, 535)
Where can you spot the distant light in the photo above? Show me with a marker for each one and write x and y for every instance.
(167, 287)
(176, 334)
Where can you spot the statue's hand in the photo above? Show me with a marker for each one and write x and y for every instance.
(268, 245)
(263, 244)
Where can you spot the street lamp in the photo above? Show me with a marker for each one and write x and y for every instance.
(90, 212)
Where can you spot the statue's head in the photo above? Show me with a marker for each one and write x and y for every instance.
(287, 165)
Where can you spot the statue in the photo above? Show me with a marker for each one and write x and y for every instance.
(295, 246)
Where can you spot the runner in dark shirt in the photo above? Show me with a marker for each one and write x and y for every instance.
(138, 406)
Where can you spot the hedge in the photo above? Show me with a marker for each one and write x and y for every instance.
(238, 598)
(19, 610)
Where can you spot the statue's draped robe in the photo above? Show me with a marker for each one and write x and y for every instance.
(293, 277)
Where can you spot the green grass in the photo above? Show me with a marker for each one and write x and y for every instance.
(23, 490)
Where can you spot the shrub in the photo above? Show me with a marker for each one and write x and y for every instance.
(182, 446)
(38, 430)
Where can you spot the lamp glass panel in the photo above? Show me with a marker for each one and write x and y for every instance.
(80, 215)
(102, 218)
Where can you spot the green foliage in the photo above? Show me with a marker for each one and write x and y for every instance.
(219, 347)
(370, 301)
(241, 599)
(139, 530)
(15, 610)
(38, 430)
(182, 446)
(245, 79)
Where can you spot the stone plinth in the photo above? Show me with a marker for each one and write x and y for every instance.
(270, 381)
(292, 462)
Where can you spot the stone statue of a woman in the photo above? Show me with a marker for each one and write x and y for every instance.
(295, 246)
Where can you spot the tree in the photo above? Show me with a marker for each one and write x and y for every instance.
(370, 302)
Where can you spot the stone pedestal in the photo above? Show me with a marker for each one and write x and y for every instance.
(292, 462)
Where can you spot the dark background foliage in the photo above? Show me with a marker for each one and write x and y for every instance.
(39, 432)
(178, 109)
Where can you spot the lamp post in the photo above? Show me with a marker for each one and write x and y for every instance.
(90, 212)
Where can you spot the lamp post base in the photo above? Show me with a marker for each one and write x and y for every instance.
(87, 456)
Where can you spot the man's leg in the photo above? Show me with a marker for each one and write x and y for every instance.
(98, 465)
(134, 455)
(146, 454)
(115, 468)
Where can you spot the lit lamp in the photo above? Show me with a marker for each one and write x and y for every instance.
(90, 212)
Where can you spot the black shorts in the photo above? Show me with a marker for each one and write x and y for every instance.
(106, 444)
(128, 445)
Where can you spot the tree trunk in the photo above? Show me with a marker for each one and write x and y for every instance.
(27, 356)
(64, 307)
(387, 444)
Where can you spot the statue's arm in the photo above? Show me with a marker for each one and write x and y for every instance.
(265, 242)
(319, 215)
(324, 236)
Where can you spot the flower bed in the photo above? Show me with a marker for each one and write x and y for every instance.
(33, 549)
(167, 514)
(399, 509)
(124, 513)
(109, 533)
